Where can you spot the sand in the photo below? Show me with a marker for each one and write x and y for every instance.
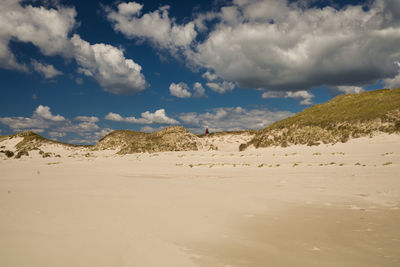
(330, 205)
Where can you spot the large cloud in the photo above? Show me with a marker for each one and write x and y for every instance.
(49, 30)
(231, 119)
(155, 26)
(109, 67)
(274, 45)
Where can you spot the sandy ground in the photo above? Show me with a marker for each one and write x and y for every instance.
(298, 206)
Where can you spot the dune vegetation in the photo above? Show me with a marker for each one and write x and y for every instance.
(174, 138)
(344, 117)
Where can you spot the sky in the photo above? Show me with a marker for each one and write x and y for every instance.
(74, 70)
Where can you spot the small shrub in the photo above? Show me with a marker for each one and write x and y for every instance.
(53, 163)
(344, 138)
(21, 153)
(397, 126)
(242, 147)
(9, 153)
(387, 163)
(313, 143)
(337, 153)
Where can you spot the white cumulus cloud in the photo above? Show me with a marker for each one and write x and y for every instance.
(155, 26)
(49, 29)
(116, 117)
(45, 113)
(109, 67)
(279, 45)
(199, 91)
(159, 116)
(182, 90)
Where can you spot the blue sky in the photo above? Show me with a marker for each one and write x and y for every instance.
(75, 70)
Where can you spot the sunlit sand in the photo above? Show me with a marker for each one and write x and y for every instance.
(327, 205)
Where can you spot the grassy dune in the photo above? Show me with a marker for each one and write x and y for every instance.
(343, 117)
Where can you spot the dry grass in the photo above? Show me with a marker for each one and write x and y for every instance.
(175, 138)
(344, 117)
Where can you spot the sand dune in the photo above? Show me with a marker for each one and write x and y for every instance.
(327, 205)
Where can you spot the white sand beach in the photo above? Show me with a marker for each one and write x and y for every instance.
(326, 205)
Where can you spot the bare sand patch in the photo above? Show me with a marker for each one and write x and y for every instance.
(309, 236)
(267, 207)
